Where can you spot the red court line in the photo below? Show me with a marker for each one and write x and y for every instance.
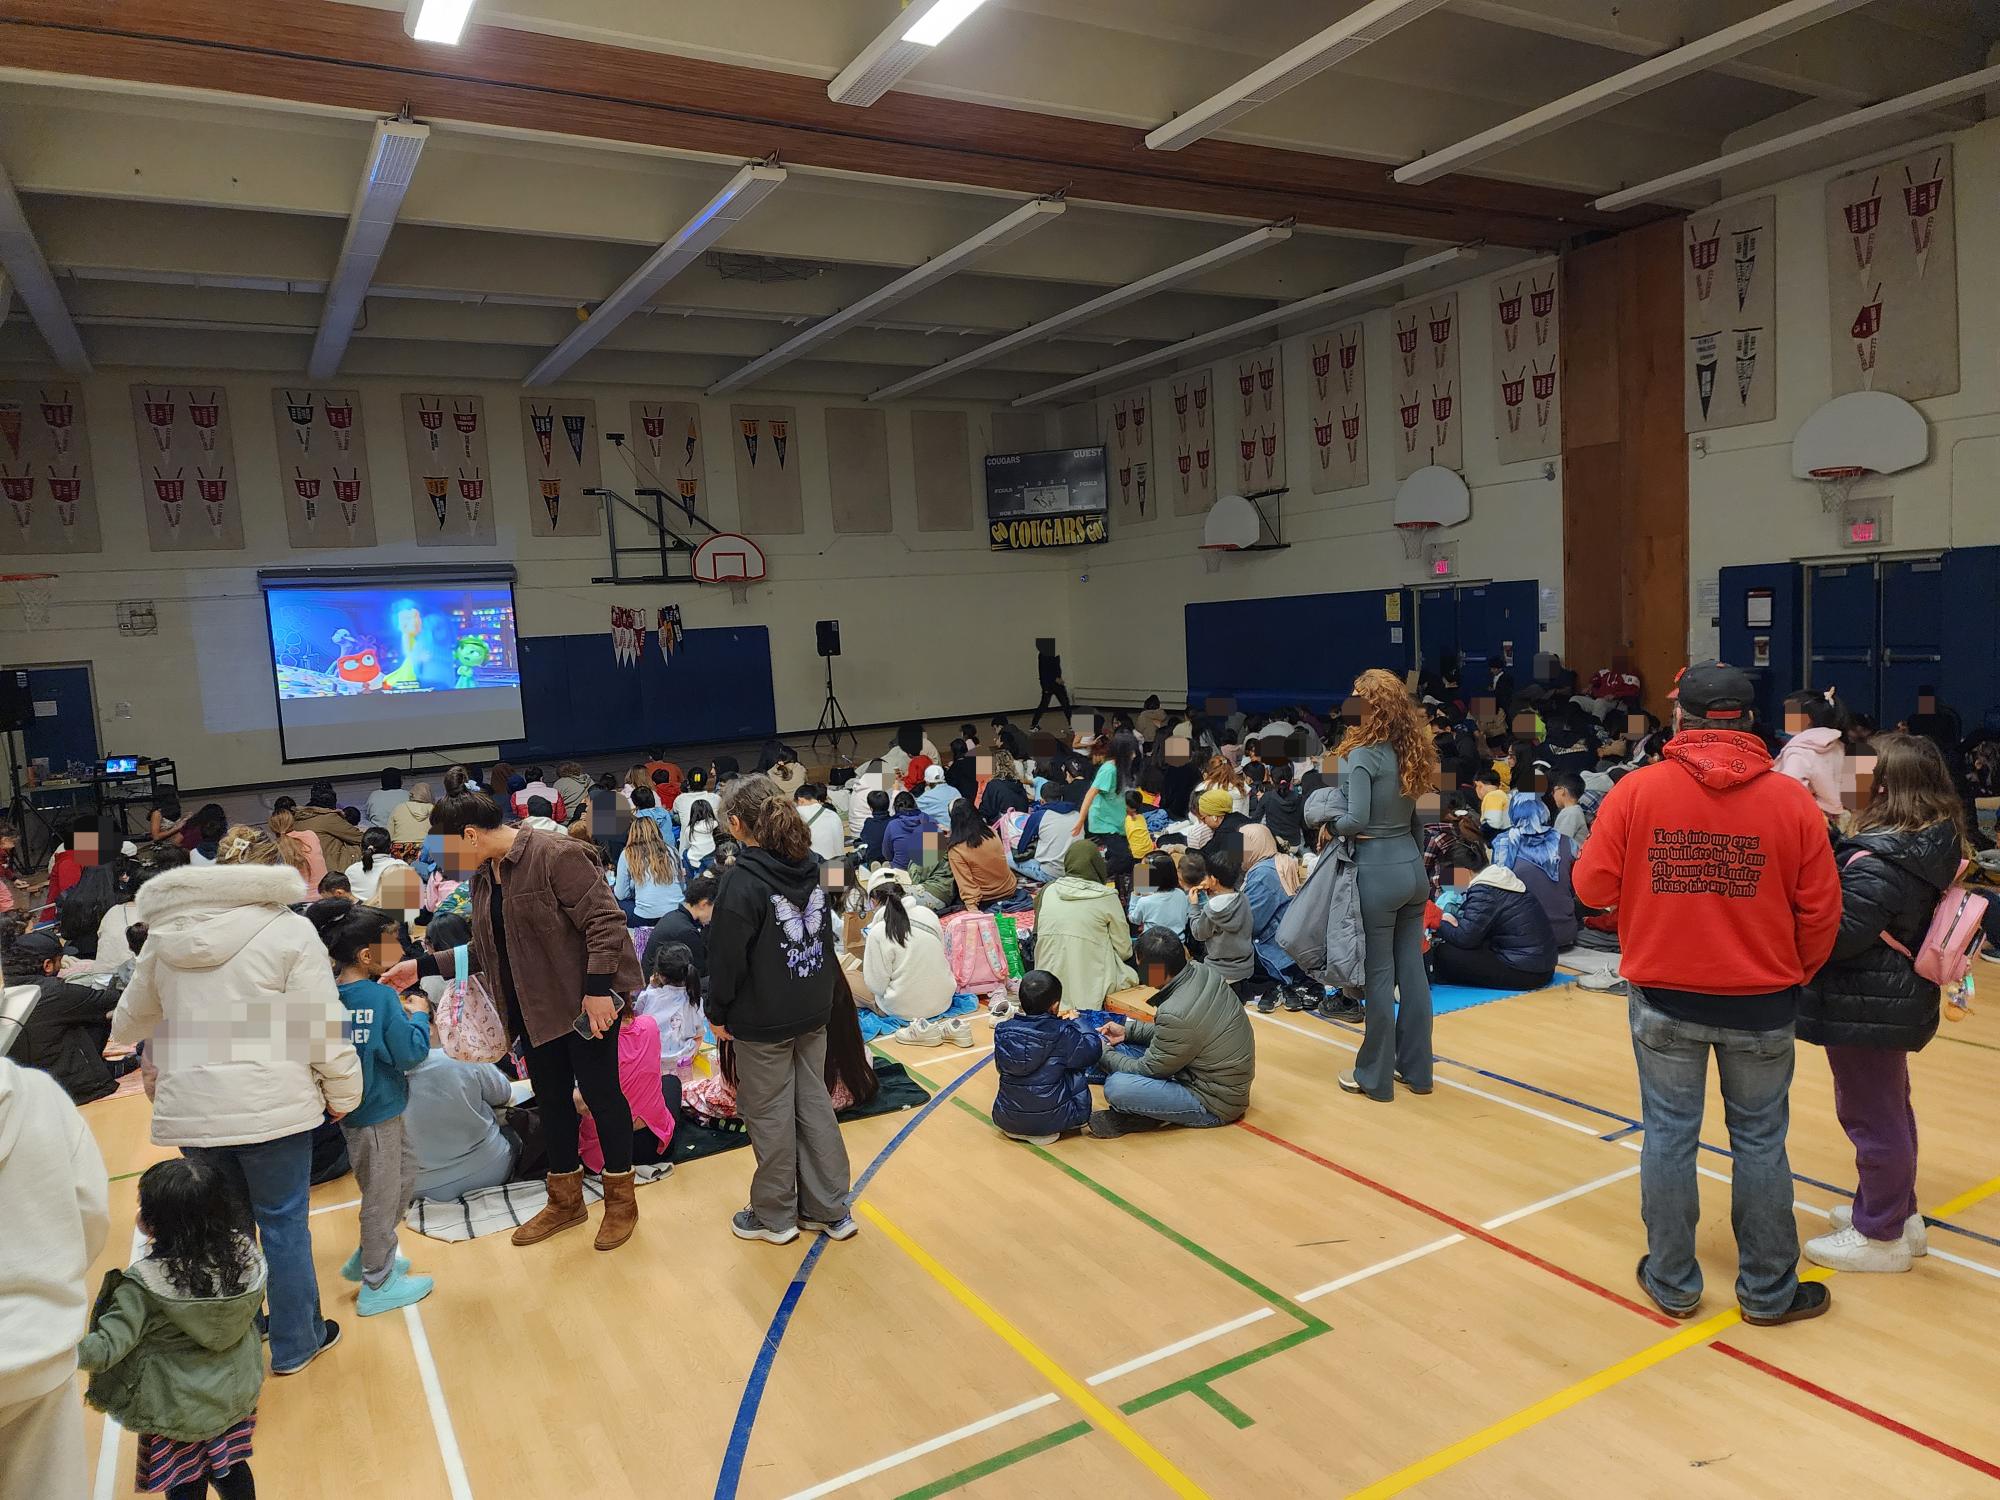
(1799, 1382)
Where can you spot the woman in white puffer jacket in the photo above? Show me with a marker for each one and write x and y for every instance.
(236, 998)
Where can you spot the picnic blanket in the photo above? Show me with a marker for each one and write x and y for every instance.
(875, 1026)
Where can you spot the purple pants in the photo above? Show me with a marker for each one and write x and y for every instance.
(1871, 1094)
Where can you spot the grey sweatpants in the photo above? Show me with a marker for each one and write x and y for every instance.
(801, 1160)
(385, 1165)
(1397, 1039)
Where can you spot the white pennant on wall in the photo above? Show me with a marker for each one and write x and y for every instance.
(628, 635)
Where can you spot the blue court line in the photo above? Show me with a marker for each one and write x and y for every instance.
(767, 1355)
(1632, 1126)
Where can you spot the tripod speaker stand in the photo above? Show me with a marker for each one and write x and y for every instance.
(832, 718)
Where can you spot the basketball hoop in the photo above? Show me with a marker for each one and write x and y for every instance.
(739, 593)
(1211, 555)
(730, 559)
(31, 594)
(1835, 484)
(1415, 535)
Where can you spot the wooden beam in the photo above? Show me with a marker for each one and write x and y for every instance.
(318, 52)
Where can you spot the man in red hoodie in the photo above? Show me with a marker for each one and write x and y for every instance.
(1728, 900)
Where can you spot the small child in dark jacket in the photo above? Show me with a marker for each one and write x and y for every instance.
(1044, 1063)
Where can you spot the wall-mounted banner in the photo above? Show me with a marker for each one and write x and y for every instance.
(1053, 499)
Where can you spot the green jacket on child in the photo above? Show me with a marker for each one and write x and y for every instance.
(163, 1362)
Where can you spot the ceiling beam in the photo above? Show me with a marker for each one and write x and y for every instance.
(1318, 302)
(21, 258)
(739, 196)
(1341, 40)
(1963, 87)
(1022, 221)
(1682, 62)
(1083, 312)
(392, 162)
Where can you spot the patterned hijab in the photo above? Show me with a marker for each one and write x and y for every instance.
(1529, 837)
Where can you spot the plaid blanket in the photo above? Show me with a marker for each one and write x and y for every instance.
(507, 1207)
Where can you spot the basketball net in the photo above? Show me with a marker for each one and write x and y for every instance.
(1835, 485)
(1415, 534)
(31, 594)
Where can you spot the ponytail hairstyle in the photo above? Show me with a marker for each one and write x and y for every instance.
(200, 1227)
(769, 817)
(674, 964)
(455, 779)
(373, 843)
(347, 930)
(244, 845)
(290, 849)
(888, 894)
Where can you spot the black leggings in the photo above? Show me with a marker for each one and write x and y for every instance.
(1053, 693)
(235, 1485)
(1482, 969)
(591, 1068)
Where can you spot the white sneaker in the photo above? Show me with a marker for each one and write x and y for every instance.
(922, 1034)
(1850, 1250)
(1916, 1234)
(1003, 1008)
(958, 1031)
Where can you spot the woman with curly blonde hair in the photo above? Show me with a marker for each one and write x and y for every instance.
(1388, 769)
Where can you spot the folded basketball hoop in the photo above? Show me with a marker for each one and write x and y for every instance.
(1429, 499)
(1862, 432)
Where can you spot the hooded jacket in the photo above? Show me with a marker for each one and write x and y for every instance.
(773, 959)
(1224, 925)
(911, 980)
(339, 840)
(237, 995)
(162, 1361)
(903, 839)
(1044, 1064)
(1200, 1036)
(1721, 871)
(66, 1032)
(1503, 917)
(1869, 995)
(1082, 937)
(1813, 758)
(54, 1204)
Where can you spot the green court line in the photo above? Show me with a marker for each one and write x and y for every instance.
(996, 1463)
(1233, 1414)
(1966, 1041)
(1197, 1384)
(122, 1176)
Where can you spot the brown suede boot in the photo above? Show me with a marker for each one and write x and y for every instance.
(564, 1210)
(621, 1211)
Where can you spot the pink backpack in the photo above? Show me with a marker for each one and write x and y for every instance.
(468, 1022)
(1955, 935)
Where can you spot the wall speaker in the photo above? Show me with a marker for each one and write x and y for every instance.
(17, 705)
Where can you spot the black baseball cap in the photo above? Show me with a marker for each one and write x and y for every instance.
(1714, 690)
(38, 947)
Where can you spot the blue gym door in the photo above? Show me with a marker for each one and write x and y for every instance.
(1875, 633)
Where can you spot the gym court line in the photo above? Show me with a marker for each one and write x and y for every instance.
(1629, 1127)
(1686, 1338)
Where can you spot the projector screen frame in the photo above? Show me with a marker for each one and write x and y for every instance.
(423, 575)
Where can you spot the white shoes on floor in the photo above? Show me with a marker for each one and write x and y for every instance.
(1003, 1007)
(1850, 1250)
(954, 1029)
(1916, 1234)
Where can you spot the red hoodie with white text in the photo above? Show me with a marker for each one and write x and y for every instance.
(1721, 871)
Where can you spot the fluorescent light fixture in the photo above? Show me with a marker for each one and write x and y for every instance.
(902, 44)
(1948, 92)
(1682, 62)
(436, 20)
(21, 258)
(722, 213)
(1187, 270)
(1316, 54)
(1318, 302)
(1023, 221)
(392, 163)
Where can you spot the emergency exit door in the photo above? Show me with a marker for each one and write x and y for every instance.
(1875, 633)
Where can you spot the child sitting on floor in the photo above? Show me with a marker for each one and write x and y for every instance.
(1220, 920)
(362, 943)
(1156, 896)
(1044, 1064)
(1138, 836)
(1486, 785)
(173, 1350)
(1572, 822)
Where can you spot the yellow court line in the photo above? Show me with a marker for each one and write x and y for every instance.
(1625, 1369)
(1100, 1415)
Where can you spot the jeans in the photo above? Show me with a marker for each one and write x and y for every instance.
(1871, 1094)
(274, 1178)
(1035, 871)
(1755, 1070)
(1157, 1099)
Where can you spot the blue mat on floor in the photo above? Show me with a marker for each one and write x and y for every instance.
(874, 1026)
(1446, 998)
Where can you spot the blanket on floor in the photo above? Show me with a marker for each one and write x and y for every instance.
(875, 1025)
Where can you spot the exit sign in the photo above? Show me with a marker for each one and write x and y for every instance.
(1862, 533)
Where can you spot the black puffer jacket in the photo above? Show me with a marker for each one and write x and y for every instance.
(1868, 994)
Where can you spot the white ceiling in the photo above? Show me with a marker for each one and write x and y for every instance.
(177, 222)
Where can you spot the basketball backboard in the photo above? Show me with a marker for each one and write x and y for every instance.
(1869, 430)
(728, 558)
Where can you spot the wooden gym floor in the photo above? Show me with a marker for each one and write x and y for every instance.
(1335, 1298)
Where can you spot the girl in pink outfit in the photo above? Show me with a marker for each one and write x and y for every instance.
(1816, 753)
(651, 1096)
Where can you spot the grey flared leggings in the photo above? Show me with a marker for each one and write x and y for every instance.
(1394, 888)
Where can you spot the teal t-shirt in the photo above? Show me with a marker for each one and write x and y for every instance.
(1107, 813)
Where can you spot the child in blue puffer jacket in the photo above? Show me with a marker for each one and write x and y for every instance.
(1044, 1064)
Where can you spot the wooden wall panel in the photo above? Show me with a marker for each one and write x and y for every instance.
(1625, 497)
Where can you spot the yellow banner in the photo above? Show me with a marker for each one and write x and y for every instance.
(1046, 531)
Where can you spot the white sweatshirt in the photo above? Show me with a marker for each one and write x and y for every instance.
(909, 980)
(54, 1202)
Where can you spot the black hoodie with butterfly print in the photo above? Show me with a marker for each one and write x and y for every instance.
(772, 957)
